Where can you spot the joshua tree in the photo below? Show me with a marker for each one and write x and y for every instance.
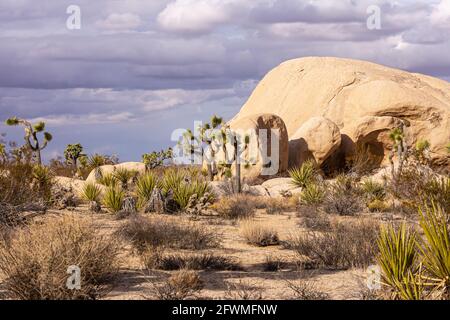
(156, 159)
(398, 138)
(207, 136)
(72, 153)
(31, 135)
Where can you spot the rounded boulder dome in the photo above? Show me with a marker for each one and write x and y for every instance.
(347, 92)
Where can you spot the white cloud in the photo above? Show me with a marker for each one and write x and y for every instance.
(120, 21)
(194, 15)
(441, 14)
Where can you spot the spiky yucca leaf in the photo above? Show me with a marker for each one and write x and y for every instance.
(312, 194)
(124, 175)
(113, 198)
(435, 251)
(397, 256)
(91, 192)
(108, 180)
(144, 187)
(303, 175)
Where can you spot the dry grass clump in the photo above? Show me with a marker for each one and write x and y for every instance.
(258, 234)
(345, 245)
(235, 207)
(306, 290)
(182, 285)
(160, 231)
(36, 259)
(273, 264)
(157, 258)
(243, 290)
(276, 205)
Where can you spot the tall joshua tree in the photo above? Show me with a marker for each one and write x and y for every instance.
(31, 135)
(72, 153)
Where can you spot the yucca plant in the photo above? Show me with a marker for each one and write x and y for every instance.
(91, 192)
(303, 175)
(172, 179)
(435, 251)
(123, 176)
(313, 194)
(398, 258)
(113, 199)
(144, 187)
(108, 180)
(373, 190)
(184, 191)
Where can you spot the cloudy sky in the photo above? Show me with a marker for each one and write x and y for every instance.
(138, 69)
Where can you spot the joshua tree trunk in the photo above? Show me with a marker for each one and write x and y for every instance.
(238, 167)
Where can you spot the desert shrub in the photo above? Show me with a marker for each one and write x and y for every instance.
(303, 175)
(16, 183)
(435, 250)
(343, 197)
(346, 245)
(184, 284)
(258, 234)
(91, 192)
(276, 205)
(35, 261)
(108, 180)
(42, 182)
(314, 219)
(235, 207)
(313, 194)
(156, 258)
(144, 187)
(146, 232)
(378, 206)
(306, 290)
(418, 185)
(113, 199)
(373, 190)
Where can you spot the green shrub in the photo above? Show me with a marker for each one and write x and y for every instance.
(91, 192)
(144, 187)
(304, 175)
(113, 199)
(398, 259)
(312, 194)
(436, 249)
(124, 176)
(108, 180)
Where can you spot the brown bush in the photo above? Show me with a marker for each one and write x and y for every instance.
(345, 245)
(258, 234)
(277, 206)
(306, 290)
(343, 197)
(36, 259)
(314, 219)
(182, 285)
(156, 258)
(236, 207)
(146, 232)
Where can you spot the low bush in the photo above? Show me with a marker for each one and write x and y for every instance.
(373, 190)
(156, 258)
(91, 192)
(343, 197)
(313, 194)
(314, 219)
(146, 232)
(235, 207)
(258, 234)
(345, 245)
(306, 290)
(36, 259)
